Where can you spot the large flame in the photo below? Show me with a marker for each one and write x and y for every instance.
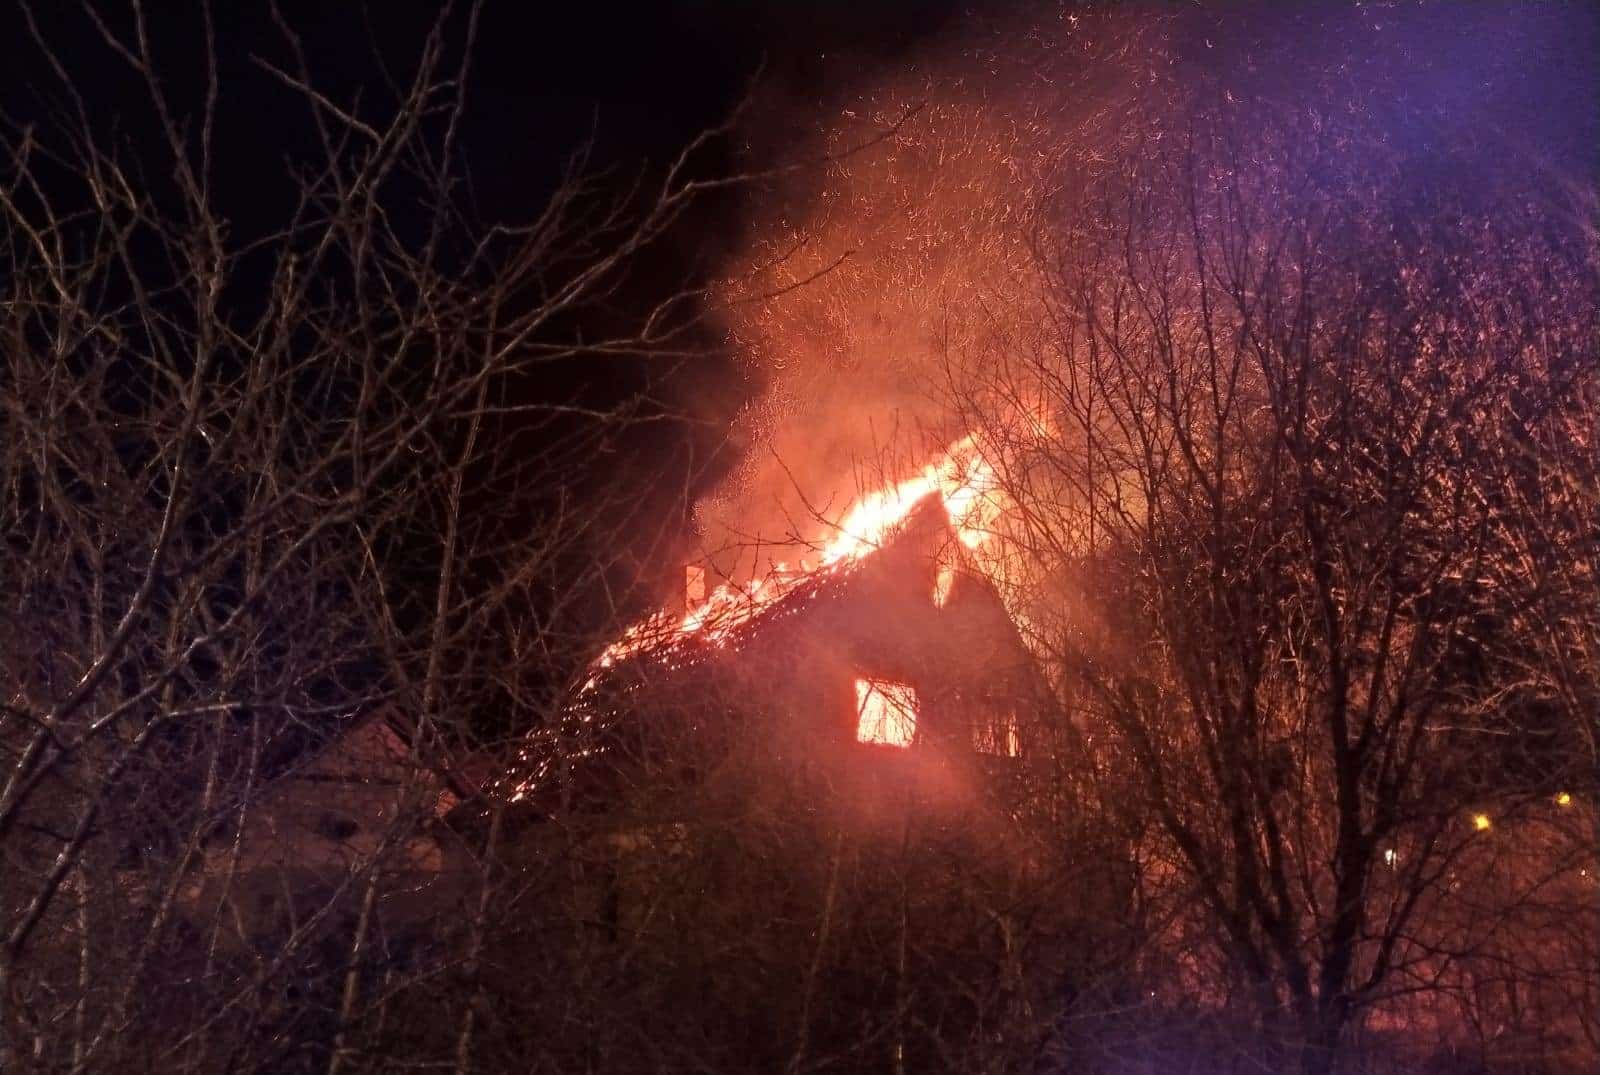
(965, 483)
(961, 476)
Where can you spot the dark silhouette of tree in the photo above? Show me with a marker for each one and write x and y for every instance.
(1296, 386)
(234, 477)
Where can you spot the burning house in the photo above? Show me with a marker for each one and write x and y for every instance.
(788, 775)
(895, 640)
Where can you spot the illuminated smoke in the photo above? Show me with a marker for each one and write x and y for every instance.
(870, 285)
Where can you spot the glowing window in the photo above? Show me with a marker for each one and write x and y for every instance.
(886, 712)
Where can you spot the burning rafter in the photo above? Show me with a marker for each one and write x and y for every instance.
(948, 510)
(965, 484)
(886, 712)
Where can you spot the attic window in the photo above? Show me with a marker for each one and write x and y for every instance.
(886, 712)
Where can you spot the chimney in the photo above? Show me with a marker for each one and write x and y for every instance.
(694, 587)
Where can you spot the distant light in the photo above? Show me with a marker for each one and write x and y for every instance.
(1388, 856)
(1564, 799)
(1481, 822)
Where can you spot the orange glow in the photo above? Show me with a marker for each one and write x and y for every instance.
(965, 482)
(886, 712)
(1481, 822)
(962, 477)
(1564, 799)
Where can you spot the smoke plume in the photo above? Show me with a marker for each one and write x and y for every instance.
(899, 257)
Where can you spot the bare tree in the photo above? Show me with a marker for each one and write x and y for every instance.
(1263, 490)
(235, 477)
(1302, 477)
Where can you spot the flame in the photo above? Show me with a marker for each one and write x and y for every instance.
(887, 712)
(961, 476)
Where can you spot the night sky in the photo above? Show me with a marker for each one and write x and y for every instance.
(632, 83)
(640, 80)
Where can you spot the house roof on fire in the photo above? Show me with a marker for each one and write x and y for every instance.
(787, 667)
